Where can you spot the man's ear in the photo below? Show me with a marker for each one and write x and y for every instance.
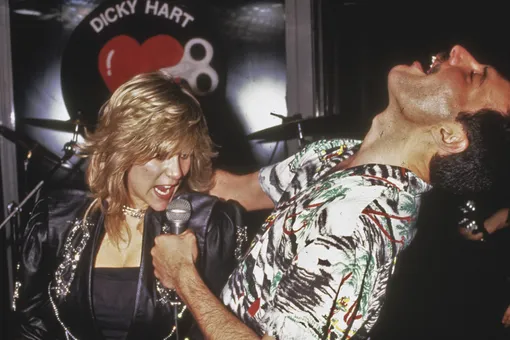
(450, 139)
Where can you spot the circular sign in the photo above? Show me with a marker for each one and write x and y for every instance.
(121, 39)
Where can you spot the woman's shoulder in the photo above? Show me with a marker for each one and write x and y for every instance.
(64, 201)
(205, 202)
(57, 209)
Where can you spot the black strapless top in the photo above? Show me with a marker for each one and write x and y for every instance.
(114, 294)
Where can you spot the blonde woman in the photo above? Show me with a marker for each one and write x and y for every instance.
(86, 270)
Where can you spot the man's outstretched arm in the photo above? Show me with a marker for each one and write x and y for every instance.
(244, 189)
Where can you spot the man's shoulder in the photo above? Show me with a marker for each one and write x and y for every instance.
(323, 154)
(324, 145)
(355, 198)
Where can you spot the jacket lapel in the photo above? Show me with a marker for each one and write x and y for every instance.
(147, 312)
(85, 321)
(98, 235)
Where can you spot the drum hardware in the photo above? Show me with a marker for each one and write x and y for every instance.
(295, 127)
(286, 119)
(68, 153)
(73, 125)
(33, 148)
(293, 119)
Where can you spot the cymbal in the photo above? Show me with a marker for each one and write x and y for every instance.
(321, 127)
(59, 125)
(28, 144)
(17, 138)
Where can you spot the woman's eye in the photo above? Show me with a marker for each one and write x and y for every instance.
(184, 155)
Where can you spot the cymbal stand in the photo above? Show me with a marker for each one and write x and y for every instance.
(68, 153)
(301, 138)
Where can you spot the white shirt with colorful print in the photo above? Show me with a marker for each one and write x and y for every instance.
(319, 266)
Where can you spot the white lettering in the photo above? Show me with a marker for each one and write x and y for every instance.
(114, 13)
(149, 7)
(187, 18)
(163, 11)
(132, 5)
(121, 11)
(104, 19)
(97, 24)
(109, 17)
(176, 14)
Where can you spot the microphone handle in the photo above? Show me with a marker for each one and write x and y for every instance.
(177, 227)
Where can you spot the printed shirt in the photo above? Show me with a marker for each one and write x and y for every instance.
(319, 266)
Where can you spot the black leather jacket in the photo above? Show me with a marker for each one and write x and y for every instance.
(54, 296)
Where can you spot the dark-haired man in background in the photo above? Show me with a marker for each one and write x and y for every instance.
(344, 209)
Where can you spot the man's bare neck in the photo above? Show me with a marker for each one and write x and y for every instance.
(393, 143)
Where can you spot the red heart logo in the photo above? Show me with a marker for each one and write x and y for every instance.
(122, 57)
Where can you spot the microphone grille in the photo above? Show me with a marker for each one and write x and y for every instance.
(178, 210)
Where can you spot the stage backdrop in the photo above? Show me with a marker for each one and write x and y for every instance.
(70, 55)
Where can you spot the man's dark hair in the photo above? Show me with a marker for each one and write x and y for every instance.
(484, 167)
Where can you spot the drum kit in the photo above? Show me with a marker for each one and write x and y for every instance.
(33, 150)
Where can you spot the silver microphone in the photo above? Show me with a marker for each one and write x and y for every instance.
(178, 213)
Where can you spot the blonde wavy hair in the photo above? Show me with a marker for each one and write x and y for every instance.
(150, 116)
